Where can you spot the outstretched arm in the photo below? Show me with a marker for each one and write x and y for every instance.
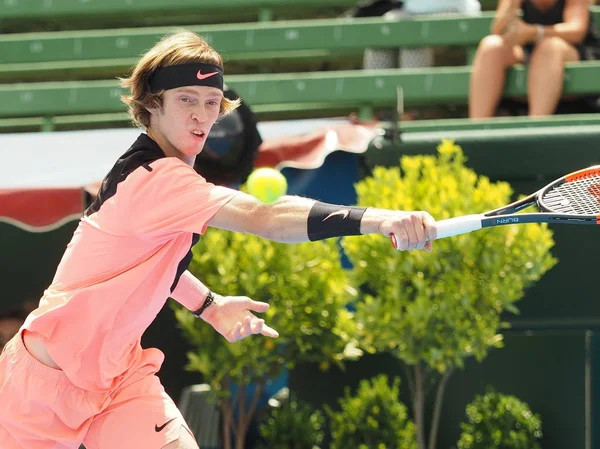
(173, 198)
(294, 219)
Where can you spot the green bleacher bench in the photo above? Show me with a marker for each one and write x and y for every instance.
(448, 127)
(453, 126)
(254, 38)
(43, 9)
(354, 89)
(39, 55)
(13, 10)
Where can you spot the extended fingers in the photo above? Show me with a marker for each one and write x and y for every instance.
(269, 332)
(236, 333)
(256, 306)
(252, 325)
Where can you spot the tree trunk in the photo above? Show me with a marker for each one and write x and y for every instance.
(252, 410)
(227, 405)
(419, 405)
(411, 383)
(240, 432)
(437, 410)
(226, 413)
(245, 415)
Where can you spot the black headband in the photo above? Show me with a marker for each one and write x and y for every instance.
(194, 74)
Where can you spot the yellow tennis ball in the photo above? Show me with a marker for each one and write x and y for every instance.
(266, 184)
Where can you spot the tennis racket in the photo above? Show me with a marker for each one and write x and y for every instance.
(571, 199)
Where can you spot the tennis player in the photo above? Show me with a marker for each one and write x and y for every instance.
(76, 371)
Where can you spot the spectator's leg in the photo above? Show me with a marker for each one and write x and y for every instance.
(546, 74)
(492, 59)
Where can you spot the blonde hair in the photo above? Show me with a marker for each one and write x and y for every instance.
(179, 47)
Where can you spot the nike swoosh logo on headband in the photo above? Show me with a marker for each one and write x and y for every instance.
(344, 213)
(200, 76)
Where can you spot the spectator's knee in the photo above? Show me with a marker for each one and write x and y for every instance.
(492, 45)
(493, 50)
(551, 47)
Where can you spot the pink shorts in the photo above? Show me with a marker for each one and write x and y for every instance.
(41, 409)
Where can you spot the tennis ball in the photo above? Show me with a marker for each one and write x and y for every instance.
(266, 184)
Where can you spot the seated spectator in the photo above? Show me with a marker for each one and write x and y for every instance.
(549, 34)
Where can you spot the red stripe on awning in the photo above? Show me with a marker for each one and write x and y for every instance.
(40, 208)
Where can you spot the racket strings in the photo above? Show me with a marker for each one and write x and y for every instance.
(581, 196)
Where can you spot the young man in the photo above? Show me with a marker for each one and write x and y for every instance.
(76, 371)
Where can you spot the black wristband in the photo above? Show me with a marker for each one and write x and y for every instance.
(207, 302)
(328, 220)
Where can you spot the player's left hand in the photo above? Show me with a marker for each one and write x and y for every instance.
(518, 32)
(231, 317)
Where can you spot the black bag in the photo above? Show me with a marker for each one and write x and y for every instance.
(373, 8)
(231, 147)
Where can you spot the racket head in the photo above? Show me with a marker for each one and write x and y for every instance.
(577, 193)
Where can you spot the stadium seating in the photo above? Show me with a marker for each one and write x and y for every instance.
(48, 60)
(117, 10)
(284, 92)
(40, 55)
(59, 51)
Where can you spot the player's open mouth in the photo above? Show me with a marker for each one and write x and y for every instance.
(199, 134)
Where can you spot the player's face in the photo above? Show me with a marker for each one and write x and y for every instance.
(186, 117)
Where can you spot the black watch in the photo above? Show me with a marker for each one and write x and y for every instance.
(207, 302)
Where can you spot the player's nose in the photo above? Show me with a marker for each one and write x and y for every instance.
(199, 114)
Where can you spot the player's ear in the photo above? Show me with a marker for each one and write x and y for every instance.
(154, 106)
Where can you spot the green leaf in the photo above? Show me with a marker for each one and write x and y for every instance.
(497, 421)
(373, 417)
(441, 307)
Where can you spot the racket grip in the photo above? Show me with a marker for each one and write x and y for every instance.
(451, 226)
(457, 226)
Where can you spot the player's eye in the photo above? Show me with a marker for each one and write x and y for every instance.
(213, 103)
(187, 100)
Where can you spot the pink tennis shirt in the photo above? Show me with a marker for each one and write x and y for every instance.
(124, 261)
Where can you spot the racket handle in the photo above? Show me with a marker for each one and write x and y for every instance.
(457, 226)
(451, 227)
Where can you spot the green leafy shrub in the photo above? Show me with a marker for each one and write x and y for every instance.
(434, 310)
(372, 419)
(444, 306)
(498, 421)
(293, 425)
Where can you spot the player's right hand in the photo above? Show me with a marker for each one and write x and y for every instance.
(410, 230)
